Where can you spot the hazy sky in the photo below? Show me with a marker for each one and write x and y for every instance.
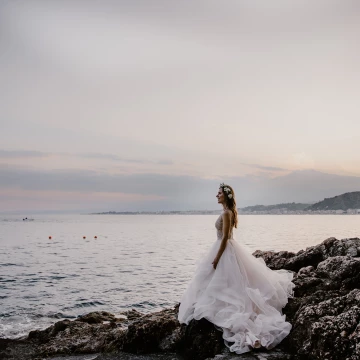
(150, 104)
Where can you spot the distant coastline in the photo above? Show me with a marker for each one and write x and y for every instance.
(175, 212)
(302, 212)
(240, 212)
(345, 204)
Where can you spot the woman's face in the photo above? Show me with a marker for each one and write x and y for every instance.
(220, 196)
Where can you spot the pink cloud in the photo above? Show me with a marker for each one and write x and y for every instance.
(19, 199)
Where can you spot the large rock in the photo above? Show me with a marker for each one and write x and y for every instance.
(325, 310)
(158, 331)
(312, 256)
(16, 349)
(96, 317)
(91, 333)
(75, 337)
(329, 329)
(201, 340)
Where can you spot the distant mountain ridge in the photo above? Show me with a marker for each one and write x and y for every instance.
(349, 200)
(303, 186)
(344, 202)
(285, 206)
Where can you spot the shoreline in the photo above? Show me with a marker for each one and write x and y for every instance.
(324, 313)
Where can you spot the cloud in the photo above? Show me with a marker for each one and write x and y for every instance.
(303, 160)
(130, 192)
(12, 154)
(262, 167)
(165, 162)
(252, 79)
(114, 157)
(102, 191)
(87, 180)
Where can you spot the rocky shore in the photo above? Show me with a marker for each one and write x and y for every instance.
(325, 314)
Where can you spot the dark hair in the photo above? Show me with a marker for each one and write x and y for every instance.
(230, 201)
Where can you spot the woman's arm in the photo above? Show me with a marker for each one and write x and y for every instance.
(226, 229)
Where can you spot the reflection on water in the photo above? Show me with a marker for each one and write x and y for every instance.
(136, 261)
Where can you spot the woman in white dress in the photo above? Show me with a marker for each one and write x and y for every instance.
(237, 292)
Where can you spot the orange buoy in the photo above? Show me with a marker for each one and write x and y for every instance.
(50, 237)
(95, 237)
(84, 237)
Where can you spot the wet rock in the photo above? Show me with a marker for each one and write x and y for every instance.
(201, 340)
(16, 349)
(329, 329)
(152, 332)
(275, 260)
(91, 333)
(132, 314)
(96, 317)
(312, 256)
(43, 336)
(325, 310)
(128, 356)
(342, 271)
(77, 338)
(275, 354)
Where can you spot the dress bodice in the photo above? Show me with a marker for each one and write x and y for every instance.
(219, 228)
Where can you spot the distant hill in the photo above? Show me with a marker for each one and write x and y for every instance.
(303, 186)
(350, 200)
(286, 206)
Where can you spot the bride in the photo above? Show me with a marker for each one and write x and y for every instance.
(237, 292)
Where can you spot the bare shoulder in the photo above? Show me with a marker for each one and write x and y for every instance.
(227, 215)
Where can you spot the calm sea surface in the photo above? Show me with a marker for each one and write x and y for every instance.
(136, 261)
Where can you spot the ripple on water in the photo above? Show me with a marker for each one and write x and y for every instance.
(114, 290)
(84, 304)
(57, 277)
(144, 305)
(10, 264)
(60, 315)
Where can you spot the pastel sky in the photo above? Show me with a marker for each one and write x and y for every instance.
(148, 105)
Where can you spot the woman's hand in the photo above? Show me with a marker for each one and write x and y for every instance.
(215, 262)
(226, 229)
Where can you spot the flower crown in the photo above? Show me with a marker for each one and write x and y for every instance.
(227, 190)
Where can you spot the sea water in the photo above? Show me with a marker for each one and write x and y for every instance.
(136, 261)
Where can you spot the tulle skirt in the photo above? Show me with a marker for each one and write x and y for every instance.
(242, 297)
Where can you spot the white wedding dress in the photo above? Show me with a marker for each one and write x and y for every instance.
(242, 296)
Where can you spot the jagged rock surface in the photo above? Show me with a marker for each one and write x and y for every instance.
(201, 340)
(312, 256)
(88, 334)
(152, 332)
(324, 312)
